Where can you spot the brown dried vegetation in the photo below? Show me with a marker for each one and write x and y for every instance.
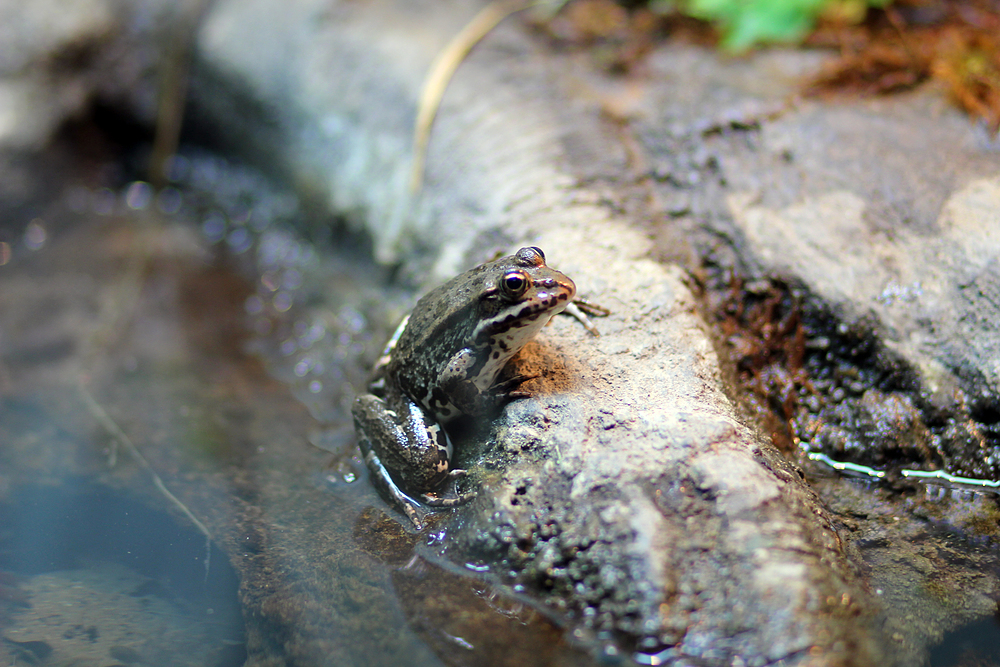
(956, 42)
(761, 324)
(617, 35)
(809, 378)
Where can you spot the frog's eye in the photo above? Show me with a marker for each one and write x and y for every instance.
(514, 284)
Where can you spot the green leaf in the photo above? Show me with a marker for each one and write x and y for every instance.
(745, 23)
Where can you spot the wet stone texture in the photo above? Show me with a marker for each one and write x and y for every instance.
(124, 361)
(864, 235)
(646, 525)
(890, 244)
(77, 615)
(212, 436)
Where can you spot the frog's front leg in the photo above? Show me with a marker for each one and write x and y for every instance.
(403, 448)
(470, 384)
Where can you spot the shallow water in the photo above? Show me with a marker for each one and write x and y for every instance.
(975, 643)
(176, 459)
(103, 578)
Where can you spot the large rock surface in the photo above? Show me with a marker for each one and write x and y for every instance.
(883, 212)
(629, 503)
(629, 492)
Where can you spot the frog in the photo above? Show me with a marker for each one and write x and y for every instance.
(446, 361)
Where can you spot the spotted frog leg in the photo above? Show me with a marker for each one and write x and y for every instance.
(426, 455)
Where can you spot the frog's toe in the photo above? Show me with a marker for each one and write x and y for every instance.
(457, 473)
(448, 501)
(509, 386)
(413, 516)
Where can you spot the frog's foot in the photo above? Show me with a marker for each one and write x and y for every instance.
(383, 482)
(452, 499)
(447, 501)
(579, 309)
(507, 390)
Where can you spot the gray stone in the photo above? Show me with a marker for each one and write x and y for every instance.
(882, 213)
(58, 57)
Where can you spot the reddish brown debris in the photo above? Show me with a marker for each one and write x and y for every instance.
(762, 327)
(615, 36)
(956, 42)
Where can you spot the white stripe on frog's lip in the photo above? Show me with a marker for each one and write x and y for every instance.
(518, 316)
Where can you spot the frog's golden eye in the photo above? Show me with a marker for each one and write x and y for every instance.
(514, 284)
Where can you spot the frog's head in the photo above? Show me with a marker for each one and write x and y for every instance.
(521, 294)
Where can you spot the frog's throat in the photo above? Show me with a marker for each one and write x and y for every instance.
(507, 342)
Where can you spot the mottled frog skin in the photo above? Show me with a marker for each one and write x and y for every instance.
(442, 363)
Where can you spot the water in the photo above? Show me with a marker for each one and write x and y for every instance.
(974, 644)
(176, 455)
(100, 578)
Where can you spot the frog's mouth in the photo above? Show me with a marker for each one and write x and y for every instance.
(526, 317)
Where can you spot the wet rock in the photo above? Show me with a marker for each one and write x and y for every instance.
(874, 213)
(628, 495)
(879, 231)
(930, 290)
(879, 430)
(644, 522)
(89, 617)
(884, 239)
(218, 436)
(56, 58)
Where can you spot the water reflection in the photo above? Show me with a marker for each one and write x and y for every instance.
(101, 577)
(469, 621)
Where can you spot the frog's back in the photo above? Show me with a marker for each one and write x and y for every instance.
(441, 324)
(448, 312)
